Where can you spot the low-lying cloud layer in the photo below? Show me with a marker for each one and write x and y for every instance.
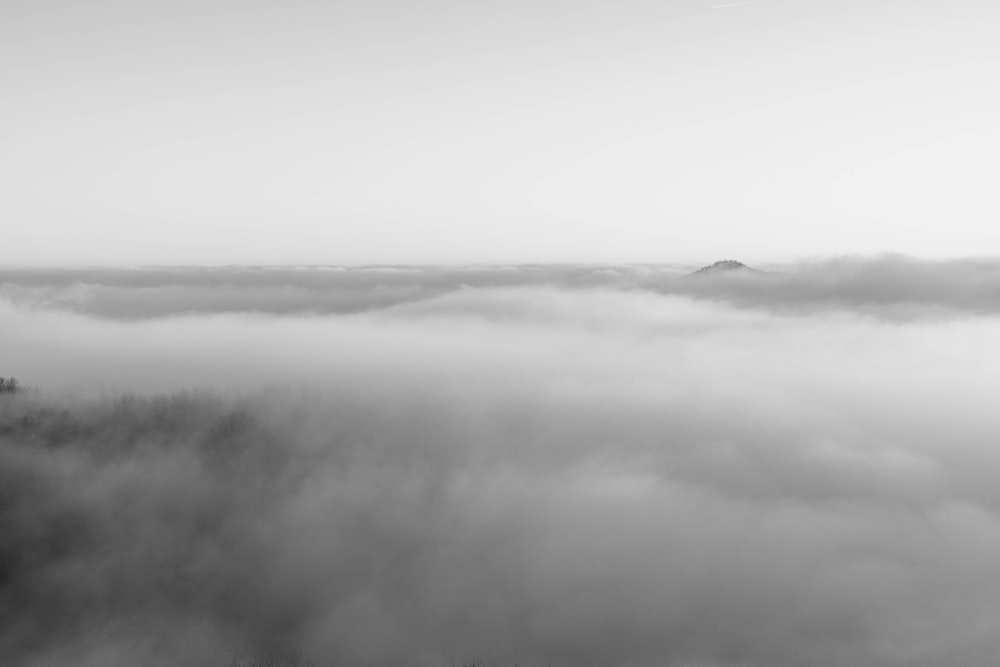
(795, 468)
(893, 287)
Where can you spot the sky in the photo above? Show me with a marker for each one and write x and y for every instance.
(547, 131)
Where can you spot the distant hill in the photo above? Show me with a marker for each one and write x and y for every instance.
(724, 266)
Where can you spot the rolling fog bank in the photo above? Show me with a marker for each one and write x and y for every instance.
(575, 466)
(890, 286)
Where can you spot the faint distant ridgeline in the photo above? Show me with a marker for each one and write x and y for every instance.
(8, 385)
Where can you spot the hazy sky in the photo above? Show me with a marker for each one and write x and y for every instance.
(307, 131)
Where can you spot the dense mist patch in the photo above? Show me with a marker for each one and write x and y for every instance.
(575, 467)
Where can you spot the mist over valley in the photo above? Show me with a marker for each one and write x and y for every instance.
(572, 465)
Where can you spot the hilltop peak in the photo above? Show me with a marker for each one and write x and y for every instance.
(724, 266)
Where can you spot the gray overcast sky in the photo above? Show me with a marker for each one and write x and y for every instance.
(378, 131)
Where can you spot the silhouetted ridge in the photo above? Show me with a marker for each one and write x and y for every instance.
(724, 266)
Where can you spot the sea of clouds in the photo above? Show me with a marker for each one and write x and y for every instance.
(570, 465)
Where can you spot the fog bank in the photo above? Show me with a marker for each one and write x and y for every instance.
(784, 469)
(889, 287)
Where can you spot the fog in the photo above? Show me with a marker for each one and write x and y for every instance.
(887, 287)
(567, 466)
